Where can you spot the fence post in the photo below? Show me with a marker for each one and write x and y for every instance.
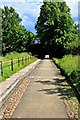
(1, 68)
(25, 60)
(11, 64)
(22, 61)
(28, 58)
(18, 62)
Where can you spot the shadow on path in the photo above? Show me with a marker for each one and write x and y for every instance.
(61, 88)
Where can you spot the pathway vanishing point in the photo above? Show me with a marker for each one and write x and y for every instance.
(42, 98)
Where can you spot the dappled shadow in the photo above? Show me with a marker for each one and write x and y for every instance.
(60, 82)
(58, 91)
(48, 82)
(60, 87)
(63, 87)
(49, 91)
(55, 81)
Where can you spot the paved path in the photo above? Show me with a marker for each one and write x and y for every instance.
(42, 99)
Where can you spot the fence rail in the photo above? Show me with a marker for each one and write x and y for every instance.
(20, 61)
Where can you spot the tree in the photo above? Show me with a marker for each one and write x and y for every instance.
(19, 39)
(15, 36)
(0, 31)
(30, 39)
(0, 23)
(73, 47)
(10, 21)
(54, 25)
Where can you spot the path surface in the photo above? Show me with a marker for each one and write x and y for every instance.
(42, 99)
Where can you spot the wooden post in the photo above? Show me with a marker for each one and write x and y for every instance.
(22, 61)
(25, 60)
(1, 71)
(11, 64)
(18, 62)
(28, 58)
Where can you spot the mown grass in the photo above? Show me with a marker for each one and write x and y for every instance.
(13, 56)
(7, 72)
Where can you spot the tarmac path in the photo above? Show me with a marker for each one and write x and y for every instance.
(43, 98)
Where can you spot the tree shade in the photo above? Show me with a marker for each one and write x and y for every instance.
(55, 27)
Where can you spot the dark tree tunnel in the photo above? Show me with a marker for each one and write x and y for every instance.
(51, 50)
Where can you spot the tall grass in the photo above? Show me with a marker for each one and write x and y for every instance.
(71, 65)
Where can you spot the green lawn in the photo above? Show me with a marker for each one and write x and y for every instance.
(13, 56)
(7, 72)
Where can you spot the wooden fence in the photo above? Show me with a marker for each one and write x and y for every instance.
(20, 61)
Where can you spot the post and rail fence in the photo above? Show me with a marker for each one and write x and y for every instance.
(20, 61)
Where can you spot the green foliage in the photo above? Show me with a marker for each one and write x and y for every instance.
(15, 36)
(73, 47)
(30, 39)
(0, 31)
(0, 23)
(54, 23)
(14, 55)
(71, 65)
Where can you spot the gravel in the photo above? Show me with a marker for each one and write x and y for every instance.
(10, 105)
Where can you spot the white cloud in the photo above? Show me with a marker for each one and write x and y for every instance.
(25, 18)
(29, 9)
(76, 22)
(14, 1)
(34, 0)
(73, 5)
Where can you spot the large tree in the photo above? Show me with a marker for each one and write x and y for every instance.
(11, 20)
(0, 31)
(30, 39)
(54, 25)
(15, 36)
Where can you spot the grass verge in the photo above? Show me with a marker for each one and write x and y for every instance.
(70, 64)
(6, 66)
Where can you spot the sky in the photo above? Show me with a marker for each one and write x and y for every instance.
(29, 10)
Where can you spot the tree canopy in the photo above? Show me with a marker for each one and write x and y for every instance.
(0, 31)
(56, 32)
(55, 26)
(15, 36)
